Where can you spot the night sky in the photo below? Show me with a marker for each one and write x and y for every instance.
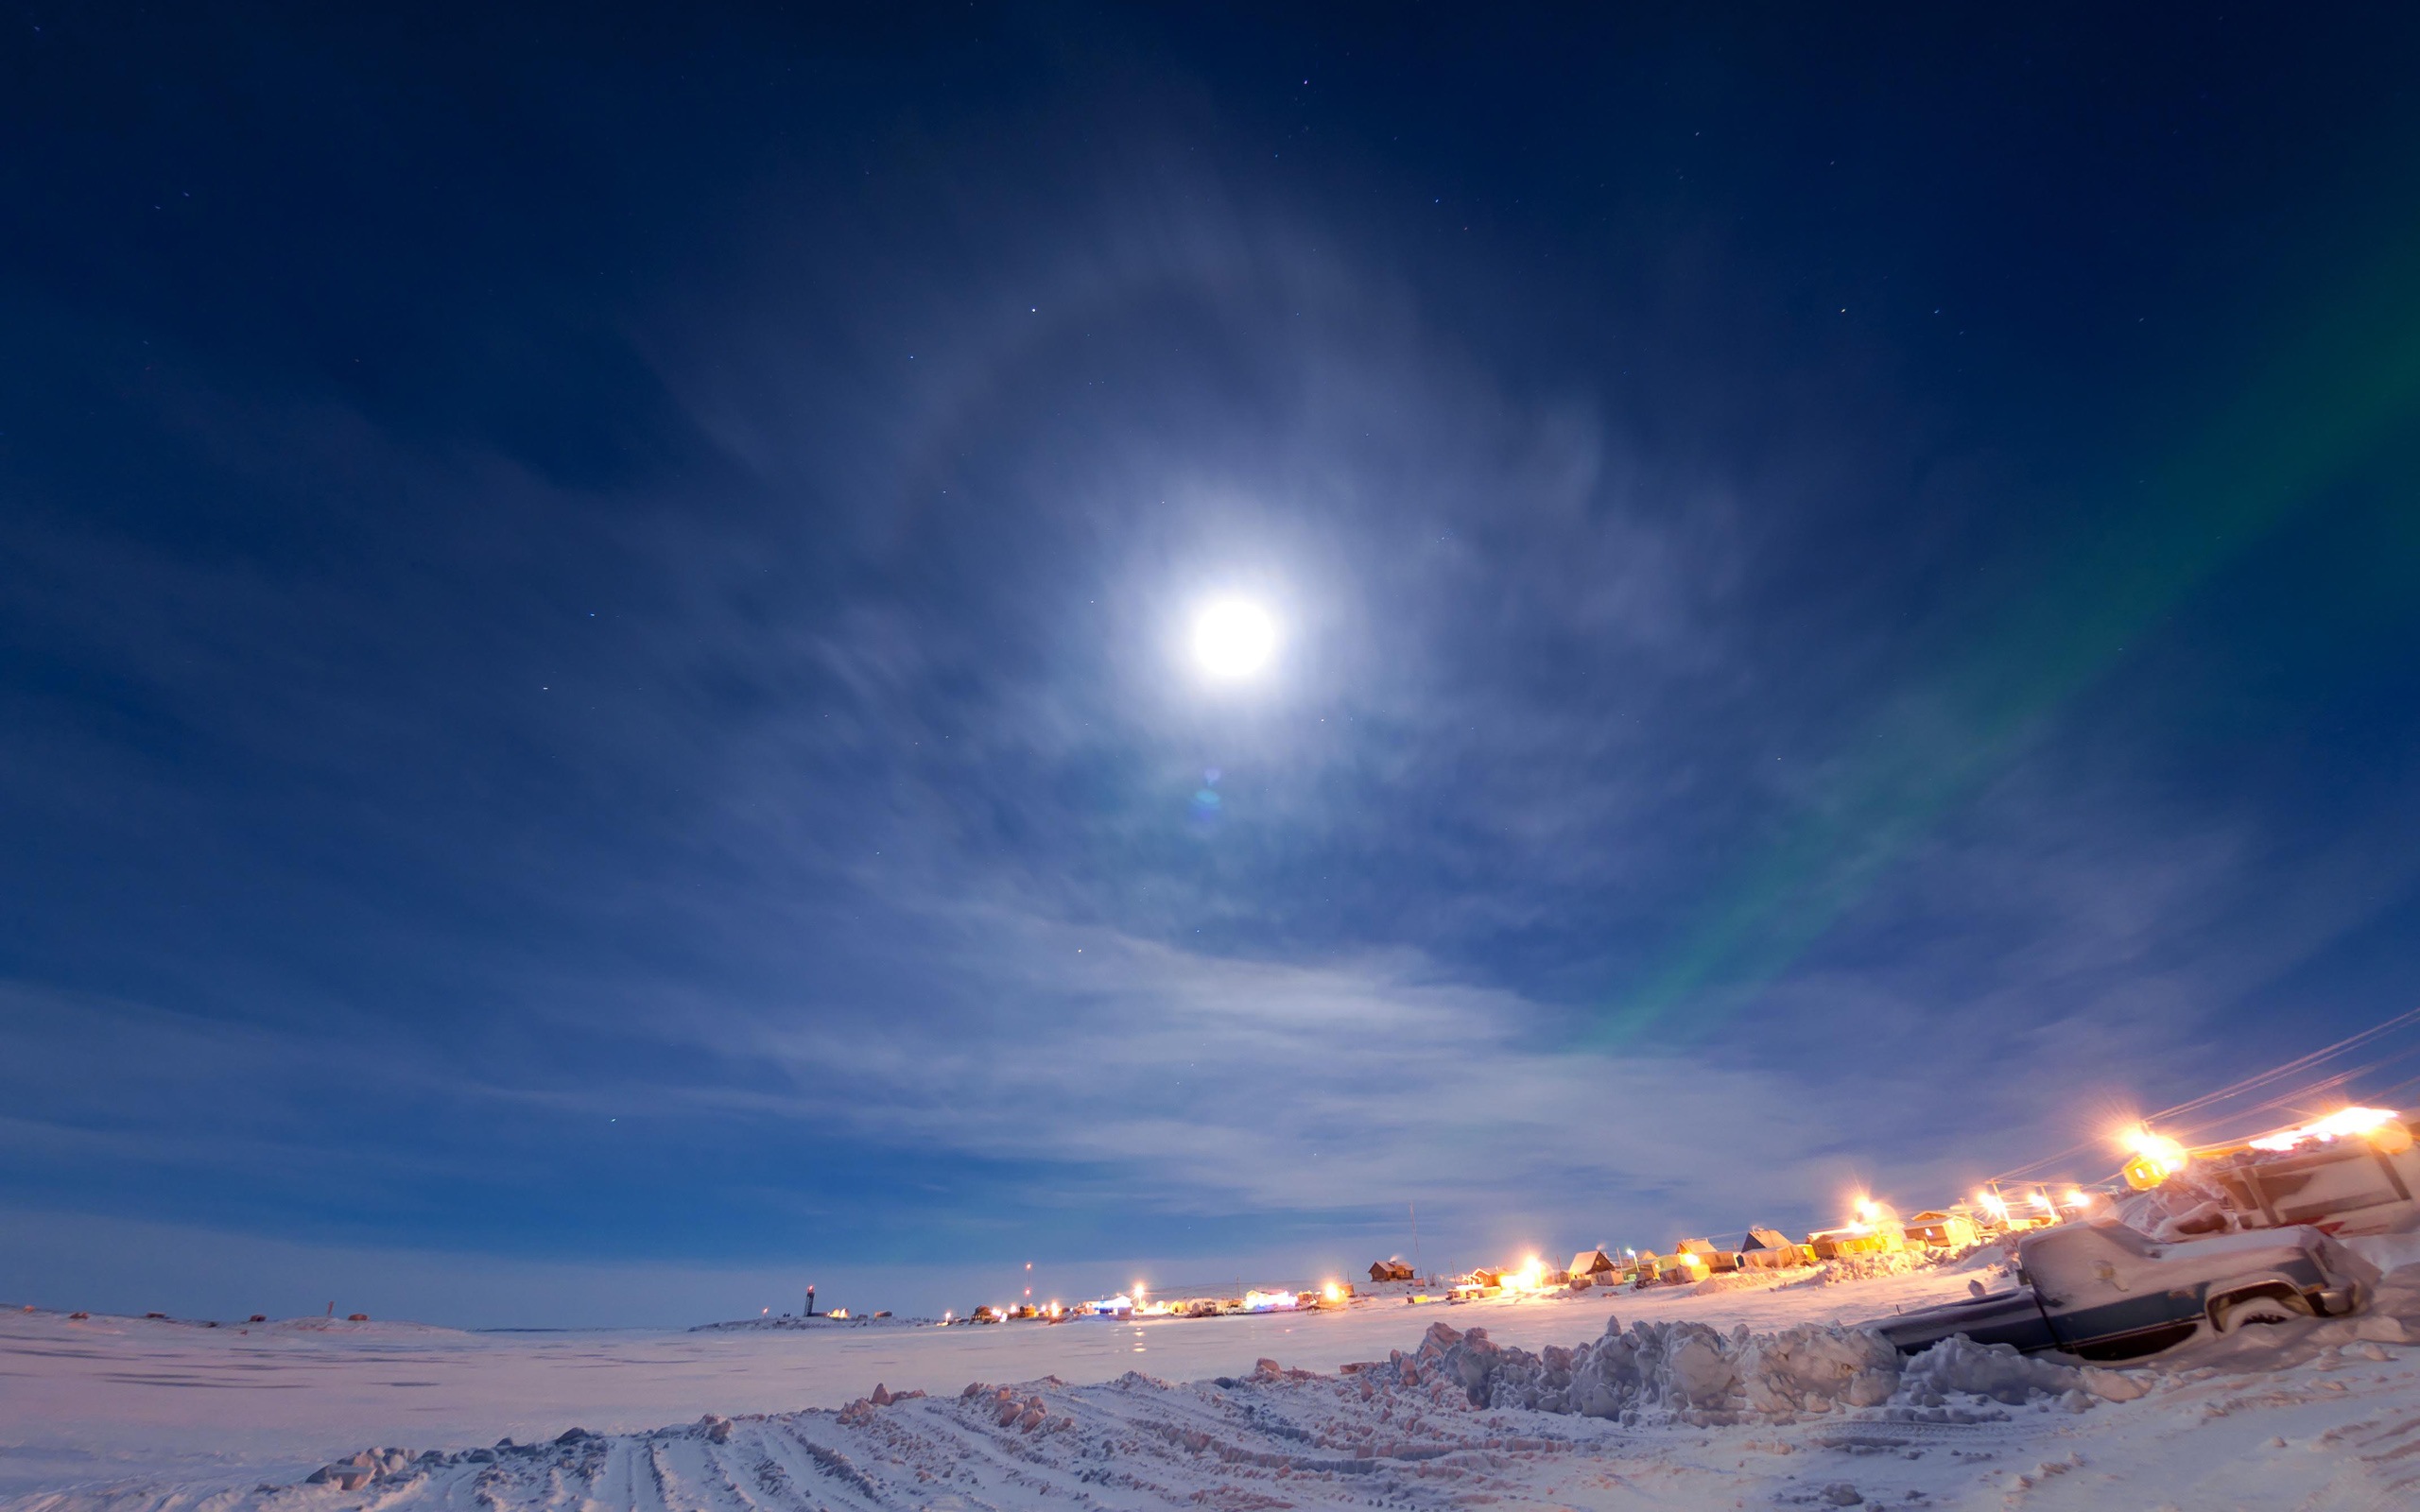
(595, 711)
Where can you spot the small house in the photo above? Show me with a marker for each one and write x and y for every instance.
(1679, 1270)
(1682, 1265)
(1857, 1238)
(1708, 1256)
(1390, 1270)
(1594, 1267)
(1768, 1250)
(1951, 1230)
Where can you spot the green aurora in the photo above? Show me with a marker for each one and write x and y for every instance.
(2336, 396)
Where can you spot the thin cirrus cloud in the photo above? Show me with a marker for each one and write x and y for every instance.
(796, 830)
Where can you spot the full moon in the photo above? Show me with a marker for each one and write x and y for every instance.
(1233, 638)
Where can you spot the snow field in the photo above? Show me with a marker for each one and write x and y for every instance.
(1692, 1410)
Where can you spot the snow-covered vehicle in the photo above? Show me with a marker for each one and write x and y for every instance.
(2344, 1186)
(2107, 1291)
(2354, 1172)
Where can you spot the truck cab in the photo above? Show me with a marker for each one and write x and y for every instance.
(2106, 1292)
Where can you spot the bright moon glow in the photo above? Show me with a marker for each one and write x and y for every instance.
(1233, 638)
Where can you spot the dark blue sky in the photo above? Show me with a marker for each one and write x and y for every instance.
(593, 711)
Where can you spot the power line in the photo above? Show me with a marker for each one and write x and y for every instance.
(2290, 1067)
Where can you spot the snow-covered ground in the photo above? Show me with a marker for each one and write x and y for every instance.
(125, 1414)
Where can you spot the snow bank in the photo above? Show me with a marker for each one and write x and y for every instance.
(1745, 1280)
(1866, 1268)
(1958, 1366)
(1691, 1373)
(2388, 1253)
(1951, 1381)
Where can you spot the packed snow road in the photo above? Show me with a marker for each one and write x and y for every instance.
(1729, 1398)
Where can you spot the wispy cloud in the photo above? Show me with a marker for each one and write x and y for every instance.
(792, 825)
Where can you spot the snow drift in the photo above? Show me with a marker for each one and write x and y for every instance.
(1691, 1373)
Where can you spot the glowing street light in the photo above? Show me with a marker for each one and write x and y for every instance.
(2155, 1157)
(2345, 1121)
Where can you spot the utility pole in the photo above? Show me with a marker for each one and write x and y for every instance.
(1414, 1208)
(810, 1302)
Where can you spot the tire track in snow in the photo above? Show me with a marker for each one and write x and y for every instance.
(647, 1491)
(696, 1481)
(830, 1470)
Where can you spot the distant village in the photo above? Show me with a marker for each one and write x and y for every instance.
(2190, 1192)
(1872, 1229)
